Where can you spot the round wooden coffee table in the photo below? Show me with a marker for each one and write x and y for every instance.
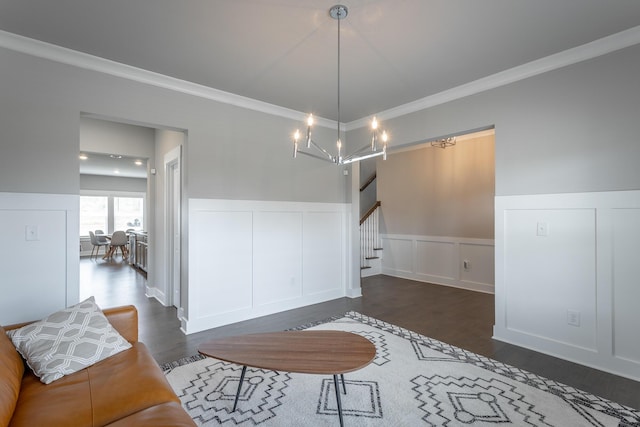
(307, 352)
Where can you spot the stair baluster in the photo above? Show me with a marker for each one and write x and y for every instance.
(370, 236)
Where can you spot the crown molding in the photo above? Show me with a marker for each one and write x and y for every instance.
(67, 56)
(83, 60)
(562, 59)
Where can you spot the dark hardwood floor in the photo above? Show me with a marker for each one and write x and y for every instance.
(459, 317)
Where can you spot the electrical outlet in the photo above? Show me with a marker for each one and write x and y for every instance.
(466, 264)
(573, 317)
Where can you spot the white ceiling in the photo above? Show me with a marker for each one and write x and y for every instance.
(283, 52)
(112, 165)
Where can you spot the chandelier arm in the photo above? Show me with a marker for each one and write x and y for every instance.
(359, 158)
(315, 156)
(322, 150)
(362, 149)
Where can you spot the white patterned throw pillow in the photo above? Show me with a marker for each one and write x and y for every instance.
(68, 341)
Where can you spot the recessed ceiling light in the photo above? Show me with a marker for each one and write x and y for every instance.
(116, 171)
(83, 157)
(115, 156)
(138, 162)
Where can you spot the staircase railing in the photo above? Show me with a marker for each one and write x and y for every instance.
(370, 235)
(368, 182)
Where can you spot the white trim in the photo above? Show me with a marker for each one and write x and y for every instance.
(171, 158)
(577, 54)
(157, 294)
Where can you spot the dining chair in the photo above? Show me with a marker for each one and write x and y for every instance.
(97, 243)
(119, 240)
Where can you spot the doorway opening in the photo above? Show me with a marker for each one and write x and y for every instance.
(156, 237)
(437, 212)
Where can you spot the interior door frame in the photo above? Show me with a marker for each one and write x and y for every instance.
(172, 226)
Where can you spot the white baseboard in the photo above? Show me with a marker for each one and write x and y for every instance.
(151, 292)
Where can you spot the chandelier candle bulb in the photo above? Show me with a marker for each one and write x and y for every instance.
(374, 137)
(309, 124)
(296, 137)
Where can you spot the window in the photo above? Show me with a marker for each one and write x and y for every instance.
(110, 212)
(128, 213)
(93, 214)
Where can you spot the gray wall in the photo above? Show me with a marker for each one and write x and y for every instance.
(575, 129)
(233, 153)
(369, 195)
(105, 136)
(112, 183)
(570, 130)
(439, 192)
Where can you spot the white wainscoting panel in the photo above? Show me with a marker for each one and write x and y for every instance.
(39, 255)
(439, 260)
(566, 279)
(397, 255)
(252, 258)
(220, 261)
(552, 274)
(481, 264)
(324, 254)
(435, 260)
(626, 284)
(277, 273)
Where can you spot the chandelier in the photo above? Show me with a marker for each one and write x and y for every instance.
(379, 137)
(444, 143)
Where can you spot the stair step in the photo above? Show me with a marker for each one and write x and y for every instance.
(364, 267)
(377, 249)
(372, 257)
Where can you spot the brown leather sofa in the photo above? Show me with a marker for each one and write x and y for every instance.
(127, 389)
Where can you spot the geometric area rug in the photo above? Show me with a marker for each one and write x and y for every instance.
(414, 380)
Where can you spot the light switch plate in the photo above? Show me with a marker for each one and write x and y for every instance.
(542, 229)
